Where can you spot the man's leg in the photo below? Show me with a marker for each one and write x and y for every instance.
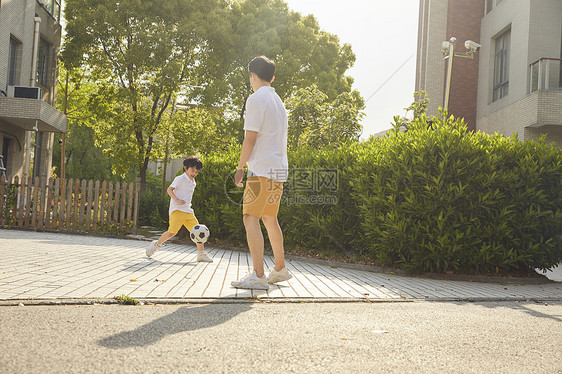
(255, 242)
(276, 239)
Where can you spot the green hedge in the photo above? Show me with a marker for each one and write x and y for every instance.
(445, 199)
(436, 200)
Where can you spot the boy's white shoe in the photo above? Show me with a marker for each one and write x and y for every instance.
(252, 281)
(152, 248)
(278, 276)
(202, 256)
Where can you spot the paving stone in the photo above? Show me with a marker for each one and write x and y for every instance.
(44, 265)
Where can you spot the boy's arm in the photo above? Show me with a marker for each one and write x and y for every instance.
(247, 148)
(171, 193)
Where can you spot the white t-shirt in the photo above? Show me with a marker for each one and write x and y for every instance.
(266, 114)
(183, 189)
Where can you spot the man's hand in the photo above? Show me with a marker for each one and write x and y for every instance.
(238, 177)
(179, 201)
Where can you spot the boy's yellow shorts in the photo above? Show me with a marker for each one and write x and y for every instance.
(179, 218)
(262, 197)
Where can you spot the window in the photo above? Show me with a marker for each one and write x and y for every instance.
(5, 153)
(501, 66)
(491, 4)
(53, 7)
(13, 62)
(43, 63)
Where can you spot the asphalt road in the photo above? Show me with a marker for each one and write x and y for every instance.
(244, 337)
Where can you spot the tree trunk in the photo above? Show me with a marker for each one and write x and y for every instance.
(142, 174)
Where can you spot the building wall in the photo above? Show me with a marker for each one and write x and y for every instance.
(464, 24)
(514, 15)
(432, 31)
(16, 16)
(536, 114)
(175, 166)
(512, 118)
(545, 29)
(17, 20)
(16, 135)
(553, 134)
(536, 31)
(439, 21)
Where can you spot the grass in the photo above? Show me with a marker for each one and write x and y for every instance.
(126, 300)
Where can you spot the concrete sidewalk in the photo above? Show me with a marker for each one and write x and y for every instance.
(56, 267)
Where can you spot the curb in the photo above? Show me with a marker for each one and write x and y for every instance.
(264, 300)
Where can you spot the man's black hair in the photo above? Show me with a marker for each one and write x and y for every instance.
(263, 67)
(193, 161)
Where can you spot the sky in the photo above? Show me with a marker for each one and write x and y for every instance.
(383, 36)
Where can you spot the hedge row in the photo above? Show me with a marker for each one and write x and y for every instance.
(430, 199)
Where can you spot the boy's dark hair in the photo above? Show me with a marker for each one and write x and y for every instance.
(263, 67)
(193, 161)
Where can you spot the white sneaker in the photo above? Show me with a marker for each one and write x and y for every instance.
(152, 248)
(278, 276)
(252, 281)
(203, 257)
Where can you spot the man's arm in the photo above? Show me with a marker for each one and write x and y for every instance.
(247, 148)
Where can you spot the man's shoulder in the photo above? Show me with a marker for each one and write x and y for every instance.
(264, 92)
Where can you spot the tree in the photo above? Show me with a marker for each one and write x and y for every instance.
(199, 130)
(315, 121)
(82, 159)
(145, 56)
(419, 110)
(142, 53)
(304, 54)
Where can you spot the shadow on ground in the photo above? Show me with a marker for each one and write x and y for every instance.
(186, 318)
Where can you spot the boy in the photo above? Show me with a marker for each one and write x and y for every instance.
(265, 151)
(181, 192)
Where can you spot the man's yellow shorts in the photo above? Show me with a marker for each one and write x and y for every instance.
(262, 197)
(179, 218)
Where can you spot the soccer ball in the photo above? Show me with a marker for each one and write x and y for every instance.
(199, 233)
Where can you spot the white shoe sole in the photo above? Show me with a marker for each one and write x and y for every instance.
(255, 286)
(277, 280)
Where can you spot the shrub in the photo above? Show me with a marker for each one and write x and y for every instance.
(153, 204)
(432, 198)
(216, 200)
(318, 214)
(445, 199)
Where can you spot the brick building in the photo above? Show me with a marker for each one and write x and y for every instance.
(30, 38)
(514, 82)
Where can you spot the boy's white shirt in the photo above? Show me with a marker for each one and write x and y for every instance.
(183, 189)
(266, 115)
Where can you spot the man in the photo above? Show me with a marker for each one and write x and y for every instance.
(265, 151)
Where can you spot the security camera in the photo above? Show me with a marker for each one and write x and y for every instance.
(445, 49)
(471, 46)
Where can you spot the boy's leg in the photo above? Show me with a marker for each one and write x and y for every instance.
(254, 237)
(202, 256)
(156, 244)
(173, 228)
(276, 239)
(189, 222)
(165, 236)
